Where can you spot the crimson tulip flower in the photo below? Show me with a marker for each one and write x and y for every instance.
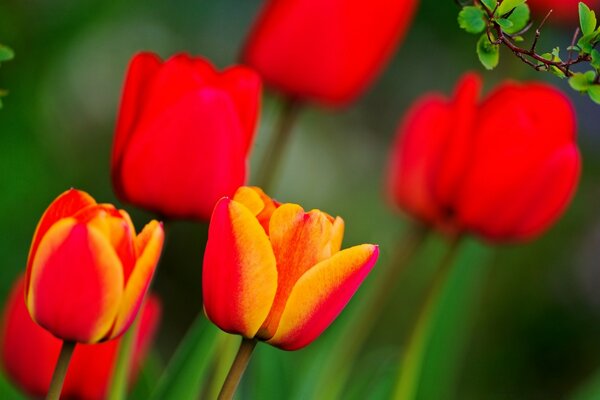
(29, 352)
(183, 134)
(274, 272)
(566, 11)
(504, 167)
(88, 271)
(328, 51)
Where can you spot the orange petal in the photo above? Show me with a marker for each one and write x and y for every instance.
(261, 205)
(65, 205)
(321, 294)
(300, 240)
(149, 246)
(239, 279)
(76, 282)
(337, 235)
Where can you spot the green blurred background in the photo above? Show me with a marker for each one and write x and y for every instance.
(523, 322)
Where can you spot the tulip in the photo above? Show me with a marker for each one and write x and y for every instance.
(275, 273)
(88, 271)
(29, 352)
(183, 134)
(504, 168)
(328, 51)
(565, 11)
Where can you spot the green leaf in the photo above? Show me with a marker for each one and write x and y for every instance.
(472, 19)
(504, 23)
(582, 82)
(594, 93)
(519, 18)
(490, 4)
(507, 5)
(6, 53)
(586, 42)
(489, 53)
(587, 19)
(183, 377)
(595, 59)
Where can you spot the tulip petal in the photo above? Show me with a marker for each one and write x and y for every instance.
(76, 283)
(321, 294)
(65, 205)
(261, 205)
(141, 69)
(149, 245)
(239, 279)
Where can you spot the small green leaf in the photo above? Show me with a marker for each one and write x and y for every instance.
(595, 59)
(507, 5)
(518, 39)
(6, 53)
(489, 53)
(582, 82)
(586, 42)
(594, 93)
(587, 19)
(504, 23)
(556, 54)
(490, 4)
(519, 18)
(472, 19)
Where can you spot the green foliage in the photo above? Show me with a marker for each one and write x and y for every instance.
(490, 4)
(587, 83)
(488, 52)
(519, 18)
(587, 19)
(508, 5)
(472, 19)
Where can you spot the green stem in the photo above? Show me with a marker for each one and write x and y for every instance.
(237, 369)
(60, 371)
(279, 141)
(406, 388)
(119, 381)
(338, 365)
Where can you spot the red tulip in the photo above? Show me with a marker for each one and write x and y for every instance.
(505, 167)
(29, 353)
(566, 11)
(183, 134)
(88, 271)
(326, 50)
(276, 273)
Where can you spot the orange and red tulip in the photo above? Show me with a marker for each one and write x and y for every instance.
(276, 273)
(327, 51)
(29, 352)
(88, 271)
(504, 167)
(184, 134)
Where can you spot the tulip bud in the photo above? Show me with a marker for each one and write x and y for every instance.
(183, 135)
(504, 168)
(29, 353)
(327, 51)
(88, 271)
(275, 273)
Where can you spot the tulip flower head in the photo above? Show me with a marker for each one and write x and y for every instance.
(505, 167)
(88, 271)
(326, 50)
(29, 352)
(275, 273)
(183, 134)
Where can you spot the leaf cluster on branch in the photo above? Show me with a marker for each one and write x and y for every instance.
(505, 22)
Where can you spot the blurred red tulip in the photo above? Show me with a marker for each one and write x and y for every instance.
(88, 271)
(328, 51)
(276, 273)
(565, 11)
(505, 167)
(183, 134)
(29, 352)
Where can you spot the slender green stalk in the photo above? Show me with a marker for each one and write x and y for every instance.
(60, 371)
(338, 365)
(237, 369)
(279, 141)
(119, 381)
(227, 346)
(412, 362)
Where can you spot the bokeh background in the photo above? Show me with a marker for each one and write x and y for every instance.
(519, 322)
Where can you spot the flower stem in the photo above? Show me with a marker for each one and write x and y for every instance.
(237, 369)
(60, 371)
(338, 366)
(118, 384)
(412, 362)
(278, 144)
